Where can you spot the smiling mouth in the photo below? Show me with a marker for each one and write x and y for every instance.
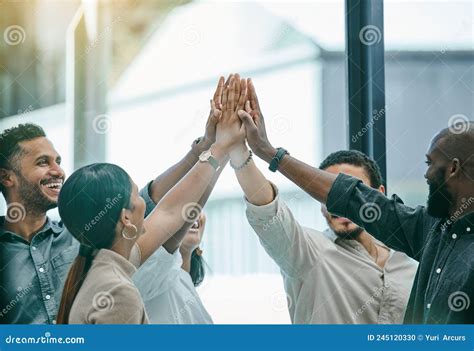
(53, 186)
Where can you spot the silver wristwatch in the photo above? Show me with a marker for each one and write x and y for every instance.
(206, 156)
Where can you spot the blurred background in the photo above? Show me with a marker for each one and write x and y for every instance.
(129, 82)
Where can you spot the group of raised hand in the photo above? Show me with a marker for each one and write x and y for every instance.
(235, 117)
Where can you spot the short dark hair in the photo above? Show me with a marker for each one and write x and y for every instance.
(355, 158)
(10, 140)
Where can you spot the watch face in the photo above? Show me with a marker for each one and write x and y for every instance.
(205, 155)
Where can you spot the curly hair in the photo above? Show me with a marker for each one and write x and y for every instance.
(355, 158)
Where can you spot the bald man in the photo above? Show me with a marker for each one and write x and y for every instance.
(440, 236)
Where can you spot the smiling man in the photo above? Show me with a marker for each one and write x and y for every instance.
(35, 251)
(439, 236)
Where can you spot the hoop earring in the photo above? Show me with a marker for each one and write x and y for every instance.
(125, 235)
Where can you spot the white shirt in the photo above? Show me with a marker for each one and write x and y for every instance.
(328, 279)
(168, 291)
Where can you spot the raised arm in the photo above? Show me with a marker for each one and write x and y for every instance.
(167, 180)
(397, 225)
(180, 205)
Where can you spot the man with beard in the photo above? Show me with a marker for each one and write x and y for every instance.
(440, 236)
(36, 252)
(342, 275)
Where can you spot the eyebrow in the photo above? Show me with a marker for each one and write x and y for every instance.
(47, 157)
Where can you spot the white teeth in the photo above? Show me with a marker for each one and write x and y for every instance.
(54, 185)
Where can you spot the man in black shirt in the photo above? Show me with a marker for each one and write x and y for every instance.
(440, 236)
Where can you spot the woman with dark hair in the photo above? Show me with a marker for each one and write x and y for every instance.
(101, 207)
(168, 281)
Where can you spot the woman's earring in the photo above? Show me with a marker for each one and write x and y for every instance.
(125, 234)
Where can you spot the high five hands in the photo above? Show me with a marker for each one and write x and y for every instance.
(236, 116)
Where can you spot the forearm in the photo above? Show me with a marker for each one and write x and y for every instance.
(313, 181)
(179, 204)
(256, 187)
(167, 180)
(173, 243)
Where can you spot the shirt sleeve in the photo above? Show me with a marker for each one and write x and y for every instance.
(145, 194)
(282, 237)
(158, 273)
(400, 227)
(120, 305)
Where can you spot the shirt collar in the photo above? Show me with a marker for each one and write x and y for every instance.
(464, 225)
(55, 227)
(329, 233)
(116, 260)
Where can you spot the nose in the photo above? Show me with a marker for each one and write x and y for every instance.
(56, 170)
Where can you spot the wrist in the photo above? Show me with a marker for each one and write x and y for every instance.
(266, 152)
(200, 144)
(219, 152)
(239, 154)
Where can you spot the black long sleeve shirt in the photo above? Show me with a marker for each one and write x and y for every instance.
(443, 290)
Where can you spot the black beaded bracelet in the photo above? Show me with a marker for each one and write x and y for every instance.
(243, 164)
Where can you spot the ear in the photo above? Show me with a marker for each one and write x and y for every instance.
(324, 210)
(455, 168)
(6, 178)
(382, 189)
(125, 217)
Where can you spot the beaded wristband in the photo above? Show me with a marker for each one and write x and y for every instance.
(243, 164)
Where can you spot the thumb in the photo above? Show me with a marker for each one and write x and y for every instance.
(246, 119)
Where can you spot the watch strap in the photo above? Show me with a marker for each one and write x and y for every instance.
(277, 159)
(214, 163)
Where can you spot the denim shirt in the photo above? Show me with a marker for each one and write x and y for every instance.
(443, 290)
(32, 274)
